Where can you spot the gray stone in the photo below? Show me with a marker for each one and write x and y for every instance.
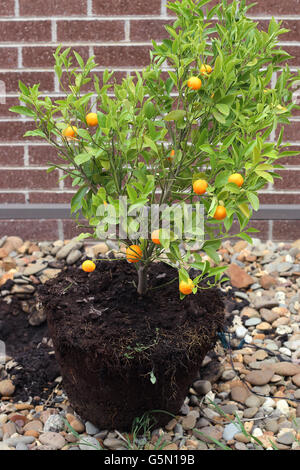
(14, 441)
(250, 412)
(91, 429)
(73, 256)
(54, 423)
(65, 250)
(21, 446)
(202, 387)
(35, 268)
(230, 431)
(89, 443)
(287, 438)
(252, 321)
(253, 401)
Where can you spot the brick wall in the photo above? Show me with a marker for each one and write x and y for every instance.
(119, 34)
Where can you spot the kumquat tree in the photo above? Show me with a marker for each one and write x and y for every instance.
(192, 129)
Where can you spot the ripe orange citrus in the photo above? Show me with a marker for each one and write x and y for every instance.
(134, 254)
(88, 266)
(91, 119)
(155, 237)
(186, 288)
(236, 178)
(205, 69)
(194, 83)
(200, 186)
(220, 213)
(70, 131)
(171, 156)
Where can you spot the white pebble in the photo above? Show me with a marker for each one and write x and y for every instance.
(285, 351)
(283, 407)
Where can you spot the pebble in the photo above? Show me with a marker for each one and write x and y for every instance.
(89, 443)
(270, 320)
(54, 423)
(52, 439)
(7, 388)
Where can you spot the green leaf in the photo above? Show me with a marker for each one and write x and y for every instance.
(82, 158)
(212, 253)
(36, 133)
(223, 108)
(219, 117)
(22, 110)
(76, 201)
(175, 115)
(253, 199)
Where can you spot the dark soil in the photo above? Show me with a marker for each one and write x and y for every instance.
(110, 341)
(37, 366)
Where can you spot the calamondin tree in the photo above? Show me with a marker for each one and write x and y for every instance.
(193, 128)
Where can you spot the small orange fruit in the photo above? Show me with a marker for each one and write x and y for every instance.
(186, 288)
(205, 69)
(91, 119)
(171, 156)
(194, 83)
(220, 213)
(200, 186)
(134, 254)
(155, 237)
(236, 178)
(88, 266)
(70, 132)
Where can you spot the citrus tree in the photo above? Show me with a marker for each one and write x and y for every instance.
(194, 126)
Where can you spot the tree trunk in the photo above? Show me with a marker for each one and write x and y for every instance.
(142, 280)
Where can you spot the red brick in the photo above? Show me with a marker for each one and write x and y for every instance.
(146, 30)
(53, 8)
(295, 160)
(279, 198)
(290, 180)
(35, 230)
(291, 132)
(122, 56)
(294, 51)
(71, 228)
(50, 198)
(275, 7)
(28, 179)
(292, 25)
(11, 79)
(25, 31)
(12, 155)
(261, 225)
(286, 230)
(14, 131)
(93, 30)
(42, 155)
(43, 56)
(4, 107)
(8, 57)
(126, 7)
(11, 198)
(7, 7)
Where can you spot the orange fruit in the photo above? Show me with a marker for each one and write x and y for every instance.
(88, 266)
(70, 131)
(134, 254)
(205, 69)
(172, 155)
(236, 178)
(200, 186)
(220, 213)
(186, 288)
(194, 83)
(91, 119)
(155, 237)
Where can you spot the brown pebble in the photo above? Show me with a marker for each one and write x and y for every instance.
(32, 432)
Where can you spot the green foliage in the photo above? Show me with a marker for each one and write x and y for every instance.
(220, 129)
